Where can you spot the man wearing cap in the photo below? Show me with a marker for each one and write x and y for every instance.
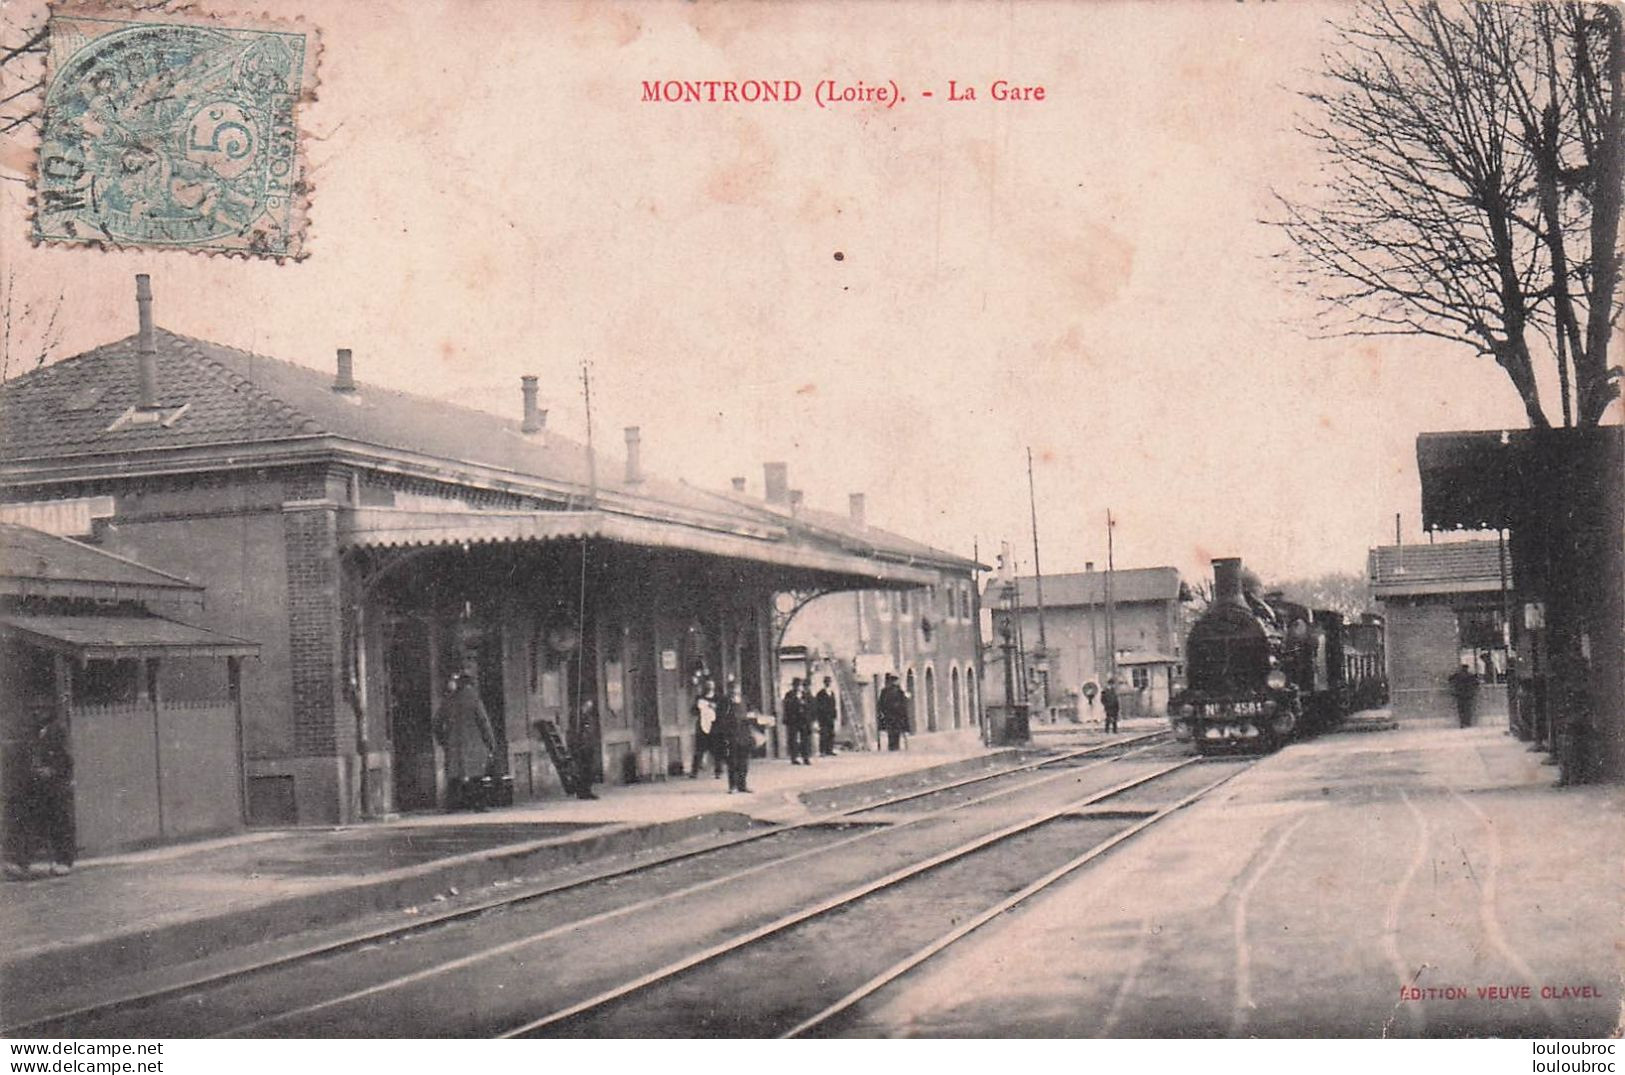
(893, 711)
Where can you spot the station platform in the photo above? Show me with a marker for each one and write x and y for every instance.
(119, 914)
(1428, 881)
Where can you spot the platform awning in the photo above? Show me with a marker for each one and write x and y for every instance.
(376, 528)
(110, 638)
(1493, 479)
(1146, 658)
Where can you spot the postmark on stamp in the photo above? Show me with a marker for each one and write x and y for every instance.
(171, 131)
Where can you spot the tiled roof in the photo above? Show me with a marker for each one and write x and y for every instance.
(102, 637)
(1449, 567)
(233, 397)
(1084, 588)
(36, 563)
(842, 528)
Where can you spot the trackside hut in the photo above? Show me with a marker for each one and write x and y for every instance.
(150, 701)
(1443, 605)
(374, 542)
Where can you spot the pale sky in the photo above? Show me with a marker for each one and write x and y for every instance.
(1086, 275)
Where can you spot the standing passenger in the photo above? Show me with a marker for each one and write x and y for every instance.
(1464, 686)
(1110, 703)
(45, 814)
(893, 711)
(823, 707)
(705, 715)
(464, 730)
(740, 726)
(798, 723)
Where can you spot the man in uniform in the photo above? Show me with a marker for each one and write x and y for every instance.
(798, 722)
(1464, 686)
(823, 708)
(893, 711)
(1110, 703)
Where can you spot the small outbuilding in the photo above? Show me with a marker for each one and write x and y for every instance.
(152, 704)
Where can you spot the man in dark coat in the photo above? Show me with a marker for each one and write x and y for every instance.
(464, 730)
(1110, 703)
(45, 813)
(798, 723)
(734, 734)
(1464, 686)
(893, 711)
(823, 710)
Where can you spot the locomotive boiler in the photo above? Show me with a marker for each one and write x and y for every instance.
(1262, 670)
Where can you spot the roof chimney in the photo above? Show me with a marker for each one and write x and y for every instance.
(634, 464)
(344, 377)
(795, 500)
(776, 480)
(1227, 582)
(1089, 565)
(535, 418)
(739, 485)
(146, 348)
(855, 508)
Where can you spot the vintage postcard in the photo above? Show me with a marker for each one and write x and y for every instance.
(974, 520)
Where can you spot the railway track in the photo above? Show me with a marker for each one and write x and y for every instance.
(879, 931)
(182, 1007)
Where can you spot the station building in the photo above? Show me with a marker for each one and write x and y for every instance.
(928, 637)
(372, 542)
(1147, 630)
(1444, 607)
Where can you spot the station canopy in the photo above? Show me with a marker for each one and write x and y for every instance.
(1490, 479)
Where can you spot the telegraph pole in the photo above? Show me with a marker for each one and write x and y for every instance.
(1111, 611)
(1038, 583)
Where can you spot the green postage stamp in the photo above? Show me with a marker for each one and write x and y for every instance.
(174, 131)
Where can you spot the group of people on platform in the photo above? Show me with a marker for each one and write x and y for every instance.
(729, 731)
(801, 713)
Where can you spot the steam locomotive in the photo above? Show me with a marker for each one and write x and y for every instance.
(1262, 670)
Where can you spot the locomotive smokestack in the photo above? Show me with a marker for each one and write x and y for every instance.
(1227, 581)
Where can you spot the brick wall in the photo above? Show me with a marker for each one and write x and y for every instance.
(314, 627)
(1423, 649)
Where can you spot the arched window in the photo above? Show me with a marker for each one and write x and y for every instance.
(930, 699)
(953, 693)
(973, 696)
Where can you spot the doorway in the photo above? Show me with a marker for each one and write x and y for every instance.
(409, 692)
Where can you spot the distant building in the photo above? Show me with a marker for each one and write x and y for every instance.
(1443, 607)
(927, 636)
(1147, 626)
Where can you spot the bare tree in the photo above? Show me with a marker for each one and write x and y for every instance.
(1470, 187)
(1339, 591)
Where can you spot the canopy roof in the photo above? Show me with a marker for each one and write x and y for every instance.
(1492, 479)
(116, 637)
(36, 564)
(394, 528)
